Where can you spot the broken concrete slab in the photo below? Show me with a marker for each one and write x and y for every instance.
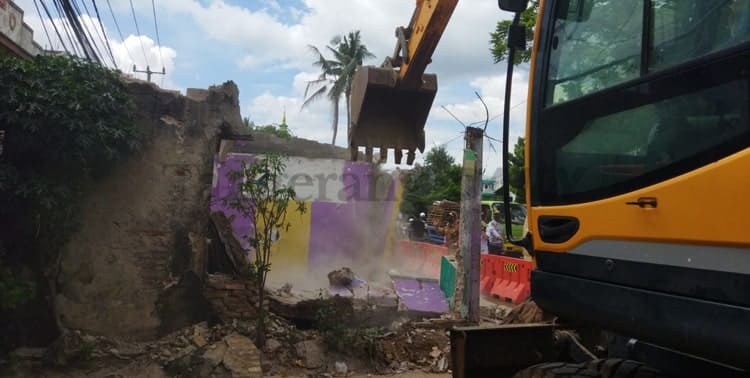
(311, 352)
(421, 295)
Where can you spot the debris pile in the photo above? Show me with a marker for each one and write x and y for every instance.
(231, 298)
(414, 347)
(341, 277)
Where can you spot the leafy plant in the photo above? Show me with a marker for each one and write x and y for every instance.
(66, 122)
(499, 38)
(262, 195)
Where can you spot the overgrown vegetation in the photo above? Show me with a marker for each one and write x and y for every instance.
(66, 122)
(439, 179)
(262, 195)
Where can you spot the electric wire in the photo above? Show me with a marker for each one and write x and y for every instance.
(87, 35)
(54, 26)
(156, 27)
(39, 13)
(137, 29)
(64, 26)
(80, 31)
(104, 33)
(93, 25)
(117, 26)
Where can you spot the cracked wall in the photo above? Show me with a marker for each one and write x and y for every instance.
(134, 269)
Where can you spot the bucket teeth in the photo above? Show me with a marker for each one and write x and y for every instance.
(410, 157)
(398, 155)
(383, 155)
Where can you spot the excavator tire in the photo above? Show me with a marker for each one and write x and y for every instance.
(557, 370)
(619, 368)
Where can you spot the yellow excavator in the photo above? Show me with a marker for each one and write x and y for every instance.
(638, 187)
(390, 104)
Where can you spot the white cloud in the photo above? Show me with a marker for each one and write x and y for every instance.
(262, 35)
(141, 51)
(313, 122)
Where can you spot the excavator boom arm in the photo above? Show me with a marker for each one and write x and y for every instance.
(425, 29)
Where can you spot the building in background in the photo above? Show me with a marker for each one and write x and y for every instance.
(16, 37)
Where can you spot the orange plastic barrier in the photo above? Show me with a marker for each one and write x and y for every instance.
(419, 259)
(506, 277)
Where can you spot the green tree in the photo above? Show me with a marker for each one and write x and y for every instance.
(499, 38)
(66, 122)
(516, 171)
(336, 75)
(261, 195)
(247, 122)
(439, 179)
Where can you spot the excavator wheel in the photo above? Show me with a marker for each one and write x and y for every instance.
(619, 368)
(557, 370)
(601, 368)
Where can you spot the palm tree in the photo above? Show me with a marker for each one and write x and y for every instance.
(336, 74)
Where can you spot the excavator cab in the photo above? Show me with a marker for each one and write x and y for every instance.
(390, 104)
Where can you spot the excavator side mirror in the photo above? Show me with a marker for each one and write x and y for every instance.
(514, 6)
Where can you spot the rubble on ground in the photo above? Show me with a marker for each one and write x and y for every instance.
(341, 277)
(370, 337)
(526, 313)
(413, 347)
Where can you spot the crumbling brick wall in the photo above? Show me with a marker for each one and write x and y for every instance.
(134, 269)
(232, 298)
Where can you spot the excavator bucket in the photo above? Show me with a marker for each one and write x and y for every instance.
(386, 114)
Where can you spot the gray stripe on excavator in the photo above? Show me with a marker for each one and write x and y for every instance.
(723, 259)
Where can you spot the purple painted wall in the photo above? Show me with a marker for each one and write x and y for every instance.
(341, 233)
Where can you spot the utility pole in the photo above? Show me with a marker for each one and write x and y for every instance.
(470, 226)
(148, 72)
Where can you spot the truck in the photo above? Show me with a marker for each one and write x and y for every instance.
(637, 183)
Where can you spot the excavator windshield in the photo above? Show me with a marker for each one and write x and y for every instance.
(624, 115)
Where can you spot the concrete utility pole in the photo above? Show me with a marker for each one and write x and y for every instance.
(148, 72)
(471, 227)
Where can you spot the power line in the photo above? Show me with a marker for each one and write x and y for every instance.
(64, 22)
(117, 26)
(79, 31)
(132, 10)
(36, 5)
(156, 27)
(97, 33)
(104, 33)
(84, 29)
(49, 16)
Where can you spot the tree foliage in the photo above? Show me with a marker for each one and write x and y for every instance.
(336, 75)
(279, 130)
(517, 171)
(262, 195)
(66, 122)
(499, 38)
(439, 179)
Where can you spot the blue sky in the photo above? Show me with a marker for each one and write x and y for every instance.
(262, 45)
